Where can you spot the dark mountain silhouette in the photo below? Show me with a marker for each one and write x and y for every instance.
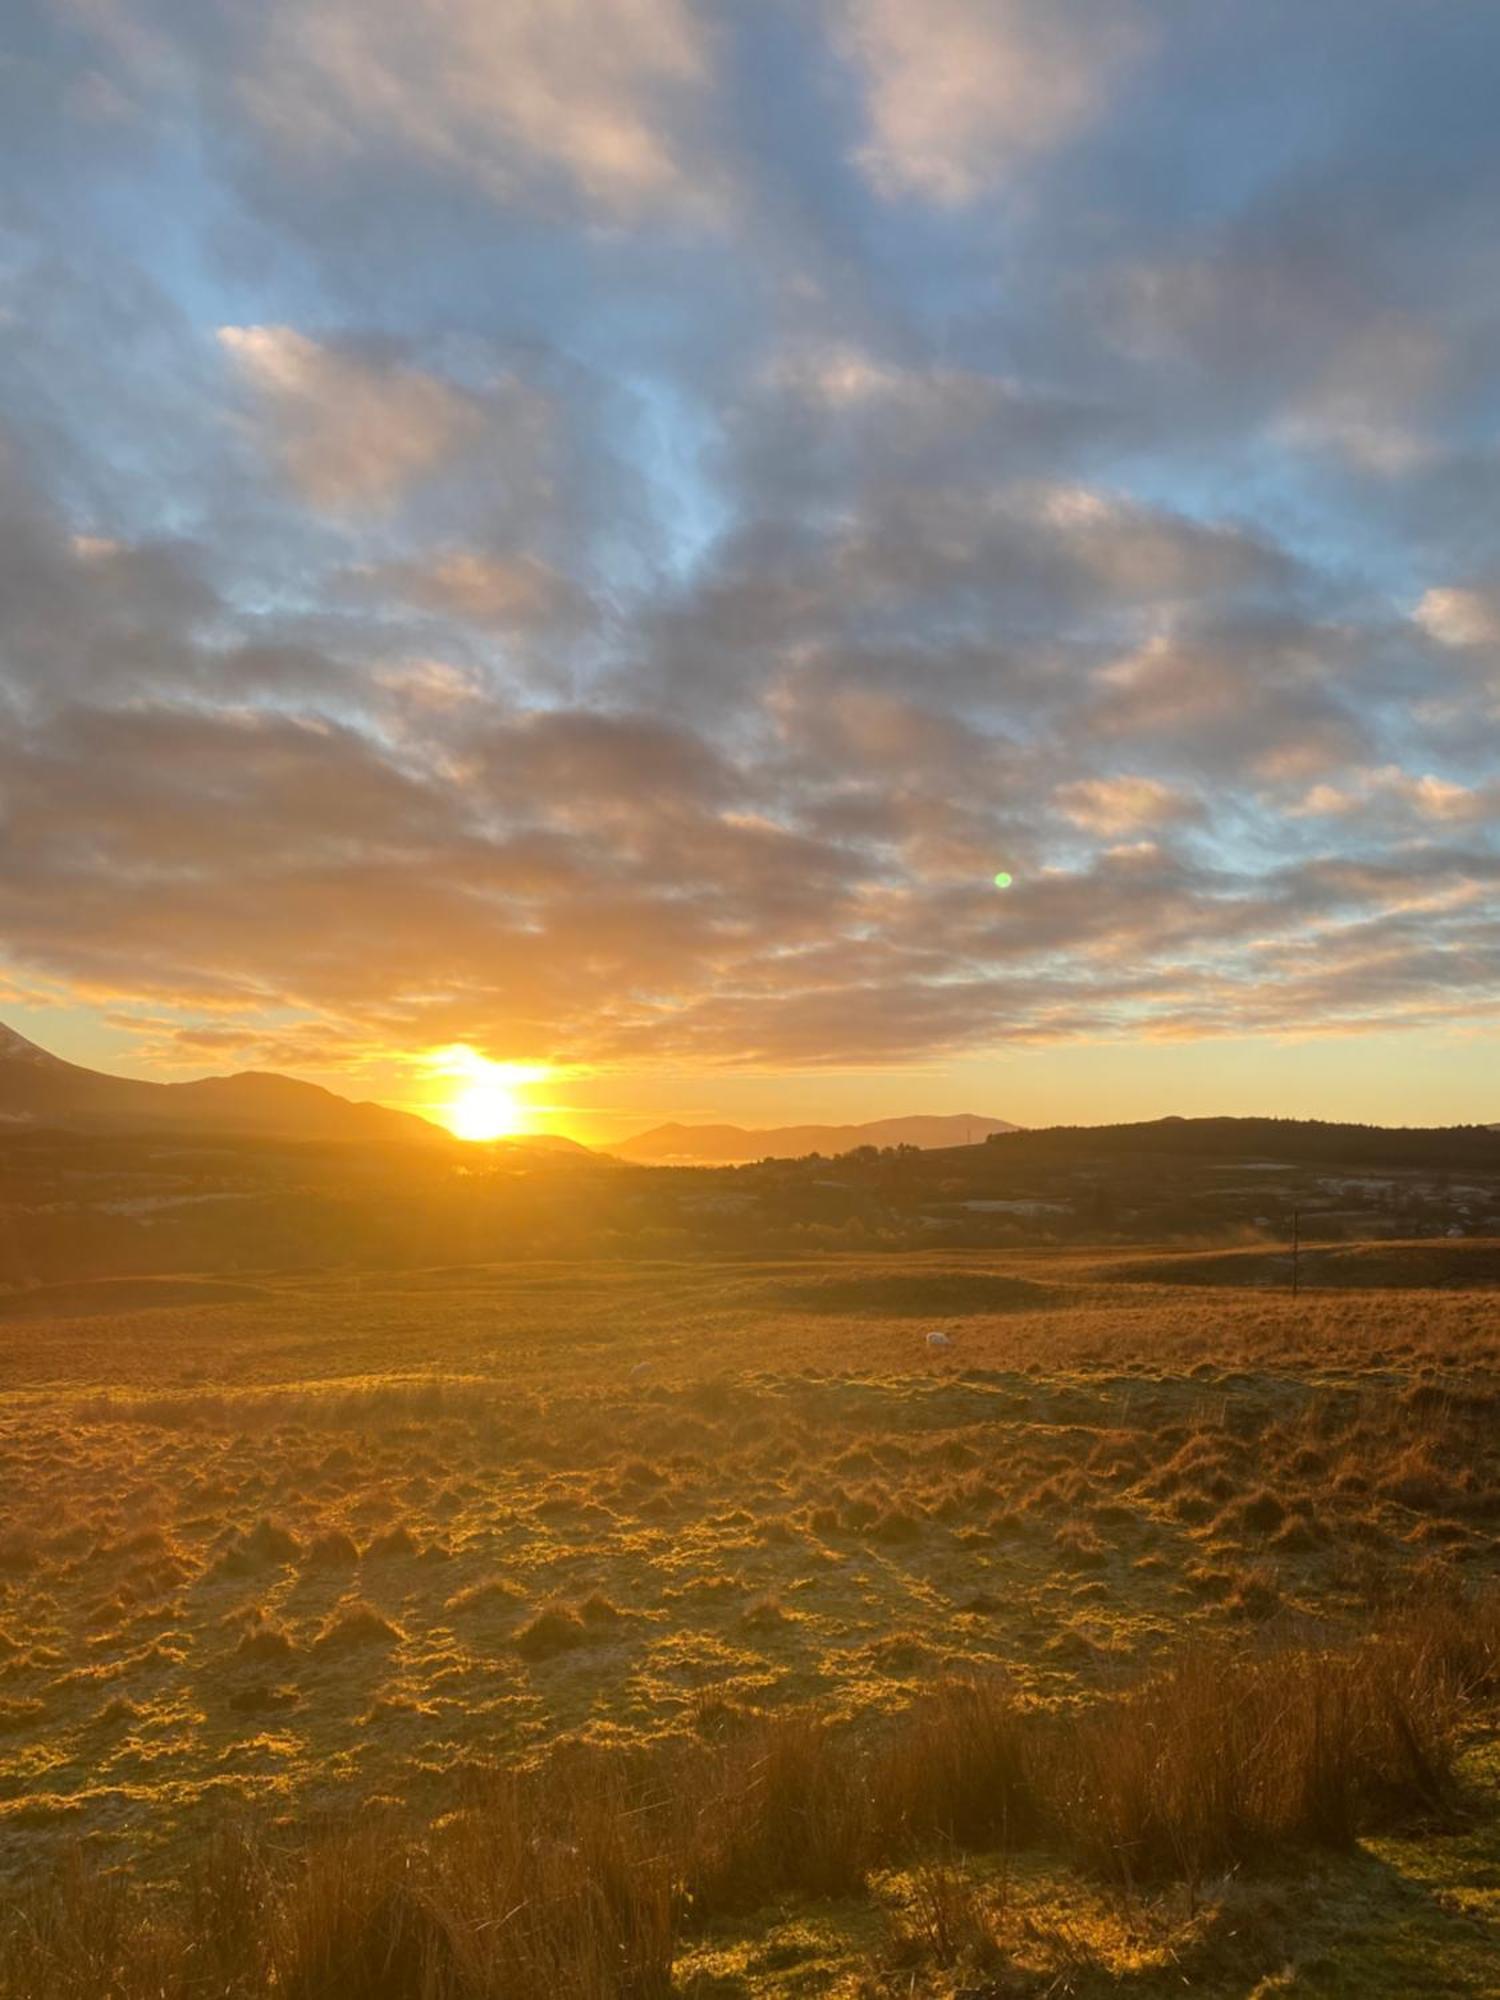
(724, 1145)
(41, 1090)
(1299, 1141)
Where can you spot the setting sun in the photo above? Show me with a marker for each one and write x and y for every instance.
(483, 1100)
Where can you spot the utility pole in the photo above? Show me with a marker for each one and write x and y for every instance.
(1296, 1250)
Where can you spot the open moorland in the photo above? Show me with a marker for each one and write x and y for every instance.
(705, 1628)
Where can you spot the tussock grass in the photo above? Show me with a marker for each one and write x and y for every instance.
(556, 1628)
(355, 1624)
(791, 1508)
(584, 1874)
(332, 1550)
(266, 1642)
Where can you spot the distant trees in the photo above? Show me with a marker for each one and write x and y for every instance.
(1293, 1140)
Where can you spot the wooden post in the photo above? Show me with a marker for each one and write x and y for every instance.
(1296, 1251)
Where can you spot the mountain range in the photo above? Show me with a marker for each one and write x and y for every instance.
(728, 1145)
(40, 1089)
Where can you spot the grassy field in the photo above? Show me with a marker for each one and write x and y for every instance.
(312, 1566)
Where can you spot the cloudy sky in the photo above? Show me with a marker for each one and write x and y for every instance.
(594, 528)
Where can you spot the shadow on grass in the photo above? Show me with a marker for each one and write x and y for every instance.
(91, 1296)
(914, 1295)
(1423, 1266)
(1359, 1928)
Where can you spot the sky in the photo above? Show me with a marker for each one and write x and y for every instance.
(595, 532)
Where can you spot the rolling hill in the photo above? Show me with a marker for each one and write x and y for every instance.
(1308, 1141)
(38, 1089)
(727, 1145)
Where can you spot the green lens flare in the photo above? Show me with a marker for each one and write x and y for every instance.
(1002, 880)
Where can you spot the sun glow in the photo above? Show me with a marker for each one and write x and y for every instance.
(483, 1100)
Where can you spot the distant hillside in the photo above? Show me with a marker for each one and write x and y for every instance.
(1288, 1141)
(39, 1089)
(727, 1145)
(545, 1142)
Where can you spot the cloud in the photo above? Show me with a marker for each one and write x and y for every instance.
(1380, 794)
(502, 96)
(488, 589)
(79, 610)
(1119, 805)
(348, 432)
(607, 886)
(1370, 400)
(1265, 694)
(683, 495)
(1460, 618)
(960, 91)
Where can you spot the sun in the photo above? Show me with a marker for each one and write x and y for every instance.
(483, 1101)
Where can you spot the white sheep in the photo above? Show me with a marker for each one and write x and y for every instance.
(937, 1338)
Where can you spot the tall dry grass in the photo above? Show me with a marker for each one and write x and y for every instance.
(581, 1876)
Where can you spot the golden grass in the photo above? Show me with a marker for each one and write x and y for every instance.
(584, 1875)
(330, 1579)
